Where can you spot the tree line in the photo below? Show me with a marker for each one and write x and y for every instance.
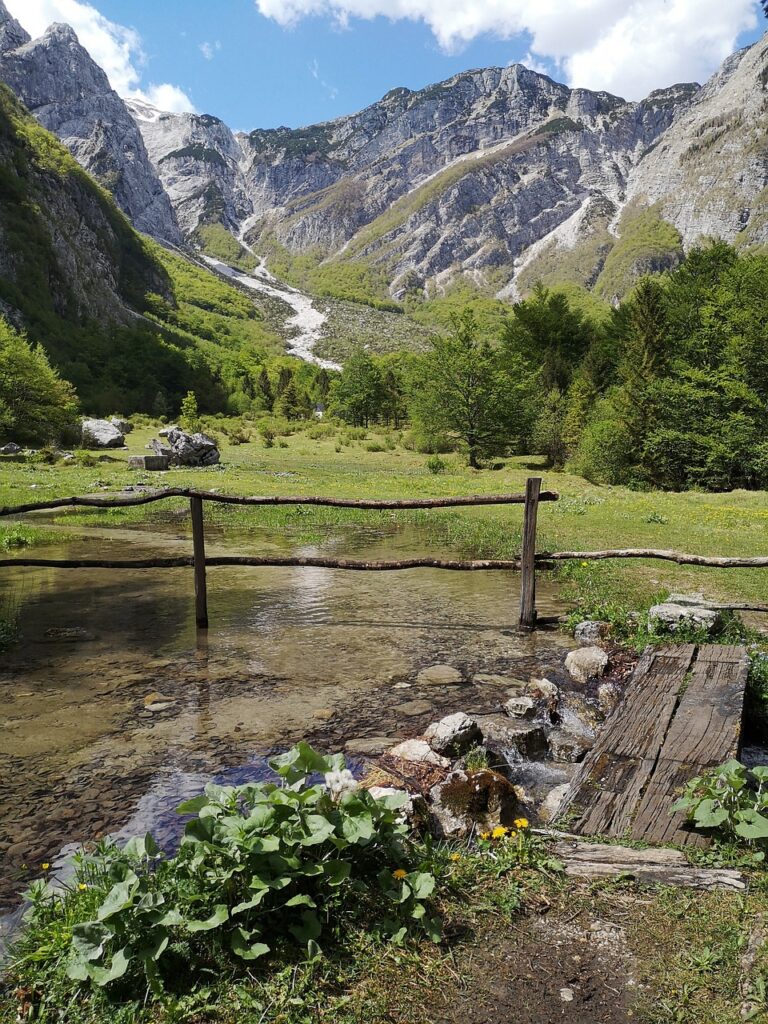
(668, 389)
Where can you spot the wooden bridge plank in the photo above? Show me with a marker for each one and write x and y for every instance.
(682, 713)
(612, 778)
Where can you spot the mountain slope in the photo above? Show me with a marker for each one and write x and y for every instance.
(416, 190)
(70, 95)
(120, 317)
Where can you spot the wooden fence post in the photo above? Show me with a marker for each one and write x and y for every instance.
(198, 543)
(528, 555)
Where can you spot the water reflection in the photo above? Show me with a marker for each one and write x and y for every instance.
(113, 692)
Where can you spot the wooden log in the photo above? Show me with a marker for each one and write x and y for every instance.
(528, 555)
(257, 561)
(760, 562)
(650, 867)
(232, 499)
(198, 543)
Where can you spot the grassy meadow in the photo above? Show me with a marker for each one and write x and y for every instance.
(325, 459)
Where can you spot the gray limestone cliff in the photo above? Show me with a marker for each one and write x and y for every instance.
(70, 95)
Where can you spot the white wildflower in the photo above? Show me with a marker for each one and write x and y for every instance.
(341, 783)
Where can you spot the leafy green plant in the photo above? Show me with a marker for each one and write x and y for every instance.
(260, 866)
(731, 800)
(436, 465)
(476, 759)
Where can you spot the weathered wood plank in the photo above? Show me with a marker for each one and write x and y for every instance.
(682, 713)
(610, 782)
(651, 867)
(528, 555)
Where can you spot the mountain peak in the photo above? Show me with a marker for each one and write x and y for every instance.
(12, 35)
(61, 33)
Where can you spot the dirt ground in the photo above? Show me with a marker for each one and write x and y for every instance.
(546, 970)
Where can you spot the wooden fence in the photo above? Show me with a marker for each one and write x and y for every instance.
(526, 564)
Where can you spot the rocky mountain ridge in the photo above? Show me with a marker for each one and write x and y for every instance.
(69, 94)
(498, 176)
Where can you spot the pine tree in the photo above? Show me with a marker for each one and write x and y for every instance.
(189, 417)
(264, 388)
(289, 403)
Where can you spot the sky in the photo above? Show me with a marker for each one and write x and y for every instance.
(264, 63)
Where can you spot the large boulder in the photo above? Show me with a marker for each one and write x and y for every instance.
(124, 426)
(466, 801)
(586, 663)
(453, 735)
(510, 741)
(101, 434)
(185, 449)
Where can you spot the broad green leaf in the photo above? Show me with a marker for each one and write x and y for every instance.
(154, 946)
(88, 939)
(752, 825)
(422, 884)
(709, 814)
(337, 871)
(119, 898)
(242, 946)
(193, 806)
(310, 927)
(249, 904)
(218, 917)
(319, 830)
(102, 976)
(357, 828)
(301, 901)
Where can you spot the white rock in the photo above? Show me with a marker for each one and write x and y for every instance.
(608, 697)
(101, 434)
(452, 735)
(591, 632)
(521, 707)
(586, 663)
(672, 615)
(551, 802)
(544, 688)
(418, 752)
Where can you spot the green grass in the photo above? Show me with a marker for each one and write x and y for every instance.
(217, 241)
(646, 244)
(587, 517)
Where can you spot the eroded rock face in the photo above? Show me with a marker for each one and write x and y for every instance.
(101, 434)
(591, 632)
(474, 800)
(70, 95)
(510, 741)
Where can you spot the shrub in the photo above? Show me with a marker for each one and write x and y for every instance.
(732, 801)
(436, 465)
(260, 867)
(268, 436)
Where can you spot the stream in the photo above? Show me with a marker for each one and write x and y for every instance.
(115, 708)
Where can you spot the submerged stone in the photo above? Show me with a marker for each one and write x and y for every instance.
(440, 675)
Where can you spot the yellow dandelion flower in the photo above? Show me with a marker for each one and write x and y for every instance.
(485, 835)
(399, 874)
(585, 565)
(82, 887)
(46, 866)
(499, 832)
(521, 823)
(455, 856)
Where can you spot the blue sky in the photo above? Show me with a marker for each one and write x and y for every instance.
(262, 63)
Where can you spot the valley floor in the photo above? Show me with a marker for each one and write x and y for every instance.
(529, 947)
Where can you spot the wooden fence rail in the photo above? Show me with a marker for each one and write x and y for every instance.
(528, 562)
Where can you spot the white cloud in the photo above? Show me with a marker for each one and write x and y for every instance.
(209, 50)
(116, 48)
(628, 47)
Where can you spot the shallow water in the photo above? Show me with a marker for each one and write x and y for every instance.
(104, 729)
